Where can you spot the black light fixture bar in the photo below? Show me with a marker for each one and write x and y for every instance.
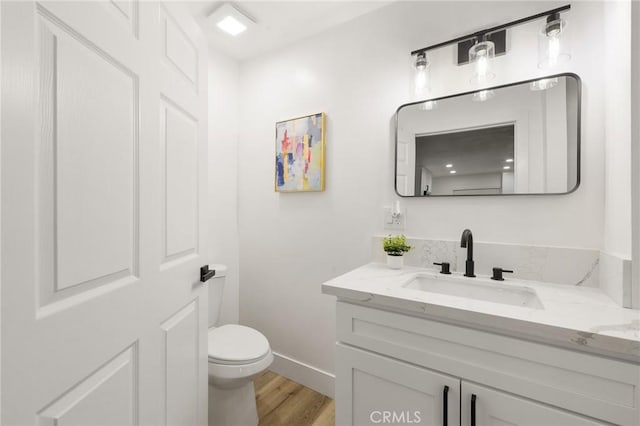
(479, 34)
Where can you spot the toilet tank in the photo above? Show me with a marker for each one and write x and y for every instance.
(215, 288)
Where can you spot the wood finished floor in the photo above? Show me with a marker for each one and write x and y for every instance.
(283, 402)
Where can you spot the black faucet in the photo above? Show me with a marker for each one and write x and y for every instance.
(467, 242)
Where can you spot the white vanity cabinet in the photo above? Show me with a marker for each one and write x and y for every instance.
(374, 389)
(391, 363)
(495, 408)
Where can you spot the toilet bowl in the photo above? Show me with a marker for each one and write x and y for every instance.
(236, 355)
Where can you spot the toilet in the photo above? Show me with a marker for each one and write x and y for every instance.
(236, 355)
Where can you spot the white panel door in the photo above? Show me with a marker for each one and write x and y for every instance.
(405, 163)
(483, 406)
(373, 389)
(104, 319)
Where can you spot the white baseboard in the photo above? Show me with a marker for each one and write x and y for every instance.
(307, 375)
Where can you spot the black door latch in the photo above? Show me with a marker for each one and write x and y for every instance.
(206, 274)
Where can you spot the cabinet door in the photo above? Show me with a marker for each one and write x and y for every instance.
(494, 408)
(373, 389)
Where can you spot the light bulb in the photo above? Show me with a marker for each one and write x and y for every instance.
(420, 81)
(554, 51)
(480, 55)
(482, 67)
(551, 49)
(421, 76)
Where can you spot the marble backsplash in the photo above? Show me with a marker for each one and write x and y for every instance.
(560, 265)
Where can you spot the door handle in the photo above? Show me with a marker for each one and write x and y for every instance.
(445, 406)
(473, 409)
(206, 274)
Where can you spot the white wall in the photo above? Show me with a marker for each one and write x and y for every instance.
(635, 120)
(358, 73)
(617, 156)
(617, 69)
(223, 153)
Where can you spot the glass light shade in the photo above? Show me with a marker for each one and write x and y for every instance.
(483, 95)
(543, 84)
(480, 56)
(552, 45)
(421, 76)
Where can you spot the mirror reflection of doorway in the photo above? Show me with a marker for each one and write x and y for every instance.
(477, 161)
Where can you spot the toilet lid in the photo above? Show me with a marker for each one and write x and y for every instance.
(236, 343)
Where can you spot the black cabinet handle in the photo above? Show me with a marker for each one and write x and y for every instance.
(445, 406)
(206, 274)
(473, 410)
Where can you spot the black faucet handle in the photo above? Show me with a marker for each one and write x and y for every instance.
(445, 267)
(497, 274)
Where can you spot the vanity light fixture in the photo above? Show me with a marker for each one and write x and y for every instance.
(483, 95)
(509, 160)
(453, 172)
(231, 20)
(480, 47)
(448, 166)
(480, 55)
(551, 50)
(421, 77)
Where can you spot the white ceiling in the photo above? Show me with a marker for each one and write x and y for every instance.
(279, 23)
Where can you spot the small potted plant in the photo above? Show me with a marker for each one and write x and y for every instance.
(395, 247)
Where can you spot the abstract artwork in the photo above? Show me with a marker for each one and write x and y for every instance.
(300, 154)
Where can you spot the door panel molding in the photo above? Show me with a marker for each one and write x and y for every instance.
(181, 365)
(179, 134)
(127, 13)
(178, 50)
(92, 398)
(63, 132)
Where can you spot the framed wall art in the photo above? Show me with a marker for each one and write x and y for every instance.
(300, 147)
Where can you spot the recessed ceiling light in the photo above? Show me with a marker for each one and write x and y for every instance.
(229, 19)
(509, 160)
(507, 167)
(449, 166)
(231, 25)
(453, 172)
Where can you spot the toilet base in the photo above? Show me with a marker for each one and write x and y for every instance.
(233, 407)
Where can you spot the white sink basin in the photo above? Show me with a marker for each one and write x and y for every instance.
(477, 289)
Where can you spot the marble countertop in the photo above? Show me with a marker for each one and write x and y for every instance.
(579, 318)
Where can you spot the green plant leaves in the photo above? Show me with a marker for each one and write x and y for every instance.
(395, 245)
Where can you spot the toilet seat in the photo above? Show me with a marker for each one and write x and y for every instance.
(236, 352)
(220, 374)
(234, 344)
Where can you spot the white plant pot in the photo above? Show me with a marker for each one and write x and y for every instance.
(395, 262)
